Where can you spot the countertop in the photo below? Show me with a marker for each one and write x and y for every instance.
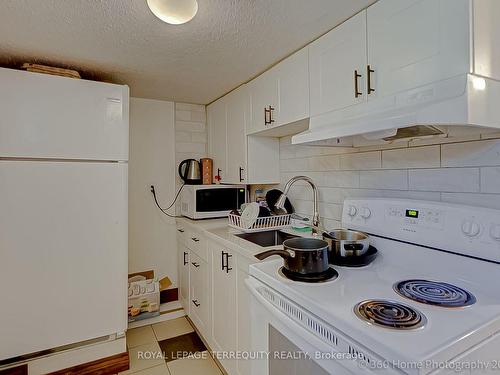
(219, 230)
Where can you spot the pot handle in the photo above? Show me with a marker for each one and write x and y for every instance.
(353, 246)
(282, 253)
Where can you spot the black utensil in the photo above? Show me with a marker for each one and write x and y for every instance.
(272, 197)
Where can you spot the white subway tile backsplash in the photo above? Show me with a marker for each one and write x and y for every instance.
(198, 116)
(342, 179)
(190, 134)
(189, 126)
(466, 172)
(189, 107)
(182, 136)
(481, 200)
(199, 137)
(384, 179)
(294, 165)
(490, 180)
(416, 157)
(471, 154)
(183, 115)
(323, 163)
(189, 147)
(360, 161)
(445, 179)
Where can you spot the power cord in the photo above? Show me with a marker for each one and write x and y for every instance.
(164, 210)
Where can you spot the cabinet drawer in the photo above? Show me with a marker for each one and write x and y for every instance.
(199, 295)
(195, 241)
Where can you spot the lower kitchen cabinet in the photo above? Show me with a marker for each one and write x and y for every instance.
(199, 311)
(183, 268)
(224, 321)
(213, 293)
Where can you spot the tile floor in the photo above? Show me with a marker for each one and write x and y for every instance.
(153, 349)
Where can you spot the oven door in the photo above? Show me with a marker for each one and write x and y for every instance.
(285, 347)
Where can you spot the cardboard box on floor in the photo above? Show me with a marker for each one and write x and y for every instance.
(144, 295)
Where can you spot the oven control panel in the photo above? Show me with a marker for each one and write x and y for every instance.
(461, 229)
(414, 216)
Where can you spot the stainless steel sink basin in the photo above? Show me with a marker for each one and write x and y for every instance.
(268, 238)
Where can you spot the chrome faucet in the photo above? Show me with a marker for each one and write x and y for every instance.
(280, 204)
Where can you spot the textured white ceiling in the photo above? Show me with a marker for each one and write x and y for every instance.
(226, 44)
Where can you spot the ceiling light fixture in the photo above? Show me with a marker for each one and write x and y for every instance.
(175, 12)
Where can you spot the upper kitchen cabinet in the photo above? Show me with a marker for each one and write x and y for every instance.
(280, 97)
(217, 127)
(412, 43)
(238, 158)
(337, 63)
(236, 139)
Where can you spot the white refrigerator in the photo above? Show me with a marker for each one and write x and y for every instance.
(63, 212)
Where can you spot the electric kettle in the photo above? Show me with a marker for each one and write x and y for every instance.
(190, 171)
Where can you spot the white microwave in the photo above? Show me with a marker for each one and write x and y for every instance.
(211, 201)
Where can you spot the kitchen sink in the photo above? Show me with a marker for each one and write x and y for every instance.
(268, 238)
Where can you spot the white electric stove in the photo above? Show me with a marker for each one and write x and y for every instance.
(428, 303)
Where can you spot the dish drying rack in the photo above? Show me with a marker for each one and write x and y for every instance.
(261, 224)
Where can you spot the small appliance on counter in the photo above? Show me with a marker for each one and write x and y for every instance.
(207, 171)
(190, 172)
(211, 201)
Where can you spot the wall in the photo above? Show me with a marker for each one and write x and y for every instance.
(161, 135)
(465, 171)
(152, 242)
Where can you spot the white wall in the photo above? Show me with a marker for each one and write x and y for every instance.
(152, 243)
(465, 171)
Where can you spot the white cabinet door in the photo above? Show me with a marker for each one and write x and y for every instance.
(336, 61)
(199, 294)
(217, 123)
(236, 137)
(293, 88)
(415, 42)
(244, 334)
(224, 323)
(183, 269)
(44, 116)
(263, 97)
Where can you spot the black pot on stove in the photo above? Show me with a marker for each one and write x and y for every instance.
(302, 256)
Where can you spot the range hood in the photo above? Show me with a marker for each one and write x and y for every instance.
(463, 104)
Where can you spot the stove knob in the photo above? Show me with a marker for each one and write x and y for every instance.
(495, 232)
(365, 212)
(470, 228)
(352, 211)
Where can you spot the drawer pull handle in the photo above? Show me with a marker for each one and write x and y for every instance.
(185, 261)
(241, 177)
(195, 264)
(195, 302)
(356, 86)
(225, 261)
(180, 230)
(195, 239)
(369, 72)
